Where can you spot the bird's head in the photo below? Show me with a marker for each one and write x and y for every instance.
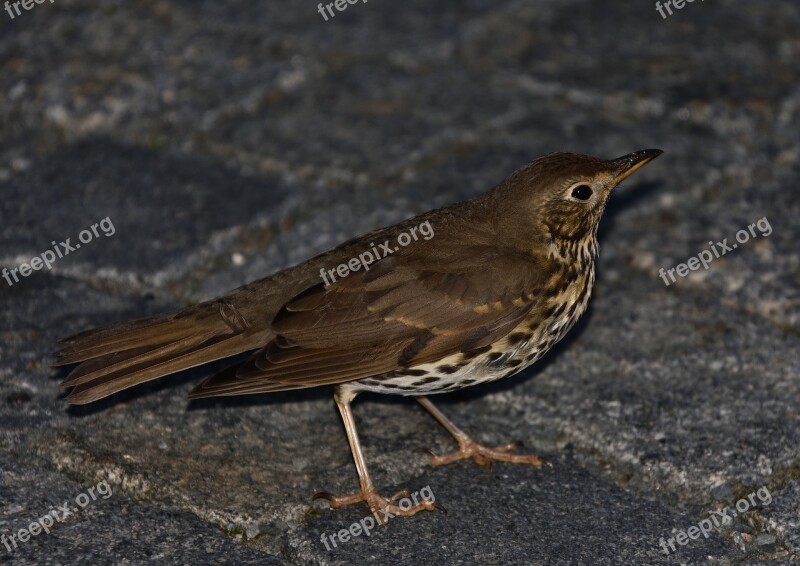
(565, 193)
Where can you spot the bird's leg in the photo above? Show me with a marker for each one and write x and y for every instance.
(387, 507)
(468, 448)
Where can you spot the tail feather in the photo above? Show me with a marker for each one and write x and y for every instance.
(129, 359)
(153, 331)
(124, 355)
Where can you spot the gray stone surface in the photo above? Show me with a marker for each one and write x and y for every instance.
(229, 139)
(112, 528)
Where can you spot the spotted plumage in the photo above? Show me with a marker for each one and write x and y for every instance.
(523, 347)
(491, 286)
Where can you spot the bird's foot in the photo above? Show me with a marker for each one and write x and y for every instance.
(485, 455)
(401, 503)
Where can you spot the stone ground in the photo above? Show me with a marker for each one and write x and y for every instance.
(228, 139)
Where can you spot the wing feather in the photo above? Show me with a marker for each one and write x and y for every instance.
(396, 315)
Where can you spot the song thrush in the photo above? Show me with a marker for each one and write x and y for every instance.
(503, 278)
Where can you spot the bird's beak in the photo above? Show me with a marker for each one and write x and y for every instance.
(623, 167)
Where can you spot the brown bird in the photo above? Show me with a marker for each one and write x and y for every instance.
(490, 286)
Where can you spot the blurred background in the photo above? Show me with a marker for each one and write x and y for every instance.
(228, 139)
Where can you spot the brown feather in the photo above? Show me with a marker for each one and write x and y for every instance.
(383, 320)
(491, 261)
(120, 356)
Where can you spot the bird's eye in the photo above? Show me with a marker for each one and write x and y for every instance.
(582, 192)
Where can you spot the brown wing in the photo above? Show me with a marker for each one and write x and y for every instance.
(396, 315)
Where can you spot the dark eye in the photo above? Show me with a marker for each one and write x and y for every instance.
(582, 192)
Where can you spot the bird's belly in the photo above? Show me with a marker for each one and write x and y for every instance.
(454, 372)
(521, 348)
(439, 377)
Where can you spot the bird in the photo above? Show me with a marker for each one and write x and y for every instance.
(492, 285)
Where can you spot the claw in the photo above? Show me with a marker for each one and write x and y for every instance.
(377, 503)
(402, 494)
(322, 495)
(339, 502)
(486, 456)
(510, 447)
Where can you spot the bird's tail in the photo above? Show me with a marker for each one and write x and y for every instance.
(123, 355)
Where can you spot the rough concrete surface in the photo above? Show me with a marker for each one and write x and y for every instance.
(228, 139)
